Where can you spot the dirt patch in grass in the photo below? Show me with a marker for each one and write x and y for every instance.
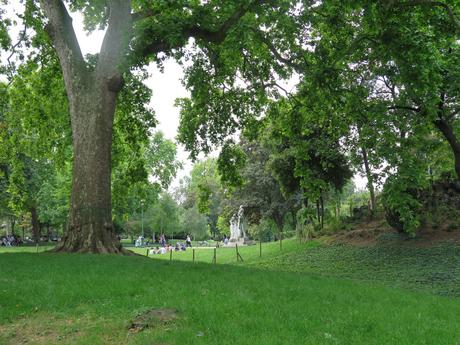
(153, 318)
(42, 329)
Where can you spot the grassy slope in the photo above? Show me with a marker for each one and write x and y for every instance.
(434, 269)
(85, 299)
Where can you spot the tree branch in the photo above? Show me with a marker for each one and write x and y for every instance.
(299, 68)
(218, 36)
(65, 42)
(22, 37)
(10, 65)
(198, 32)
(136, 16)
(115, 42)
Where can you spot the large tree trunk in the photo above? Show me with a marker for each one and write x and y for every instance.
(90, 227)
(448, 131)
(92, 94)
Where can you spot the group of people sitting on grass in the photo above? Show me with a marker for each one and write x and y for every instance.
(168, 248)
(10, 241)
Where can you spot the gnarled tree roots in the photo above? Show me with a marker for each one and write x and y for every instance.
(96, 238)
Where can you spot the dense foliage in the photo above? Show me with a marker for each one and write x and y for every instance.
(298, 96)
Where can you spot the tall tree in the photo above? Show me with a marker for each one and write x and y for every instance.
(136, 33)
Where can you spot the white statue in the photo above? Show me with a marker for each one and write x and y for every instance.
(234, 231)
(236, 226)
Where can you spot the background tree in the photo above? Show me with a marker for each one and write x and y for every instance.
(193, 223)
(163, 217)
(204, 191)
(260, 193)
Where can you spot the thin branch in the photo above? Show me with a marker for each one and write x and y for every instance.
(287, 93)
(11, 69)
(136, 16)
(299, 68)
(22, 37)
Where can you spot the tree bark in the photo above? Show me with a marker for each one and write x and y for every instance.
(35, 224)
(448, 131)
(90, 227)
(279, 221)
(318, 211)
(322, 210)
(370, 179)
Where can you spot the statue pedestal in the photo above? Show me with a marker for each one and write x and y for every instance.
(240, 242)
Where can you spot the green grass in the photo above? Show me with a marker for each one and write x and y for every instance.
(89, 299)
(433, 269)
(227, 255)
(26, 249)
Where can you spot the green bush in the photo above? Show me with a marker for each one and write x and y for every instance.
(307, 224)
(266, 230)
(402, 209)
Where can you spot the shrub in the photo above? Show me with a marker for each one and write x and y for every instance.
(402, 209)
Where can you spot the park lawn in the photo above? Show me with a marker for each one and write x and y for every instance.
(227, 255)
(90, 299)
(434, 269)
(26, 249)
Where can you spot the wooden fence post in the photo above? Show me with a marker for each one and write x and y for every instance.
(170, 255)
(238, 256)
(193, 251)
(214, 259)
(260, 248)
(147, 254)
(281, 241)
